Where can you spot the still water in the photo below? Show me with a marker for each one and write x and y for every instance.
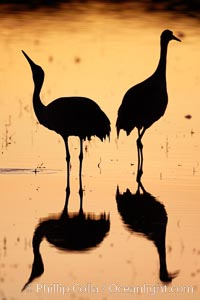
(98, 53)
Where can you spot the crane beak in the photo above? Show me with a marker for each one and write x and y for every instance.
(175, 38)
(31, 63)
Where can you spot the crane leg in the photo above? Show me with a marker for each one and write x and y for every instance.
(140, 154)
(68, 164)
(80, 172)
(65, 209)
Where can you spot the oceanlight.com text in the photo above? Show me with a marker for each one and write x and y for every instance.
(111, 288)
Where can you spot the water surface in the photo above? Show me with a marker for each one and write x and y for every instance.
(98, 54)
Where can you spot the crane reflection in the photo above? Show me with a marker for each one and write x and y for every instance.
(144, 214)
(68, 231)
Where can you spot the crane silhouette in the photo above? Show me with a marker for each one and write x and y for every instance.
(69, 232)
(69, 116)
(142, 213)
(144, 103)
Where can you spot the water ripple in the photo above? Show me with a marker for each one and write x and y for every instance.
(19, 171)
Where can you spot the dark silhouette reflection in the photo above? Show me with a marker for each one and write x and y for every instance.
(143, 213)
(68, 231)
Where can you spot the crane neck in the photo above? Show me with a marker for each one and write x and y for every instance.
(38, 106)
(161, 68)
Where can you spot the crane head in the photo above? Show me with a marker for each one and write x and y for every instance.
(37, 71)
(167, 35)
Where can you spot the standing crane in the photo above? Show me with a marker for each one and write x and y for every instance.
(69, 116)
(146, 102)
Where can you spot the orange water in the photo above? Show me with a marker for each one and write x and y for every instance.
(98, 54)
